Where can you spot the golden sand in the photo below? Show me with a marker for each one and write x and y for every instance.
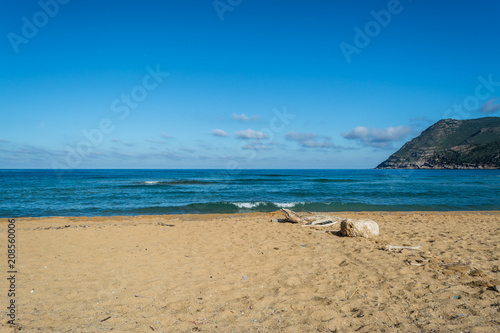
(244, 273)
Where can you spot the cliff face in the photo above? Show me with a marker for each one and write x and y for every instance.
(451, 144)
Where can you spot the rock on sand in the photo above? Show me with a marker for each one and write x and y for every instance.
(359, 228)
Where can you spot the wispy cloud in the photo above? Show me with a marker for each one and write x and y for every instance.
(4, 141)
(120, 154)
(219, 132)
(379, 138)
(421, 119)
(311, 140)
(251, 146)
(244, 118)
(31, 152)
(166, 136)
(145, 156)
(121, 142)
(206, 146)
(155, 141)
(491, 106)
(257, 145)
(170, 156)
(250, 134)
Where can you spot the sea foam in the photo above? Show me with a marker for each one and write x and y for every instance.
(287, 204)
(151, 182)
(247, 204)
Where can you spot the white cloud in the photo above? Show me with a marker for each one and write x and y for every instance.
(250, 134)
(490, 106)
(380, 138)
(310, 140)
(244, 118)
(219, 132)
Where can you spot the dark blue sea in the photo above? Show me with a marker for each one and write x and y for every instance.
(139, 192)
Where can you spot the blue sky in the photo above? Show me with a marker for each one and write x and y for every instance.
(237, 83)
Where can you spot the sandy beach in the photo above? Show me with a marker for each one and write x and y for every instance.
(244, 273)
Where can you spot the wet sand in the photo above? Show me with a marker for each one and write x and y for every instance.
(244, 273)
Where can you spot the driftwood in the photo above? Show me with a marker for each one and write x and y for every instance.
(292, 216)
(322, 221)
(310, 221)
(401, 248)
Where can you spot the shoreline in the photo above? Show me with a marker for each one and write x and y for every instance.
(242, 272)
(374, 212)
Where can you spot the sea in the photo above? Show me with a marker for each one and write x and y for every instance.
(42, 193)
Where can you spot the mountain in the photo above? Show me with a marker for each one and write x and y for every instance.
(451, 144)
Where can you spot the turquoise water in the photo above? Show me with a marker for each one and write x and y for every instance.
(135, 192)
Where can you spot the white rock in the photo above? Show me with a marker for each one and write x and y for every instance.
(359, 228)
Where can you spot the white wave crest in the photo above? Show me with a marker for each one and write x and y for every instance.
(247, 204)
(151, 182)
(255, 204)
(287, 204)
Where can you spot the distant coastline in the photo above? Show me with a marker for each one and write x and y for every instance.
(451, 144)
(441, 167)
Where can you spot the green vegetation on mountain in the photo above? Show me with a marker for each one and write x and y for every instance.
(451, 144)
